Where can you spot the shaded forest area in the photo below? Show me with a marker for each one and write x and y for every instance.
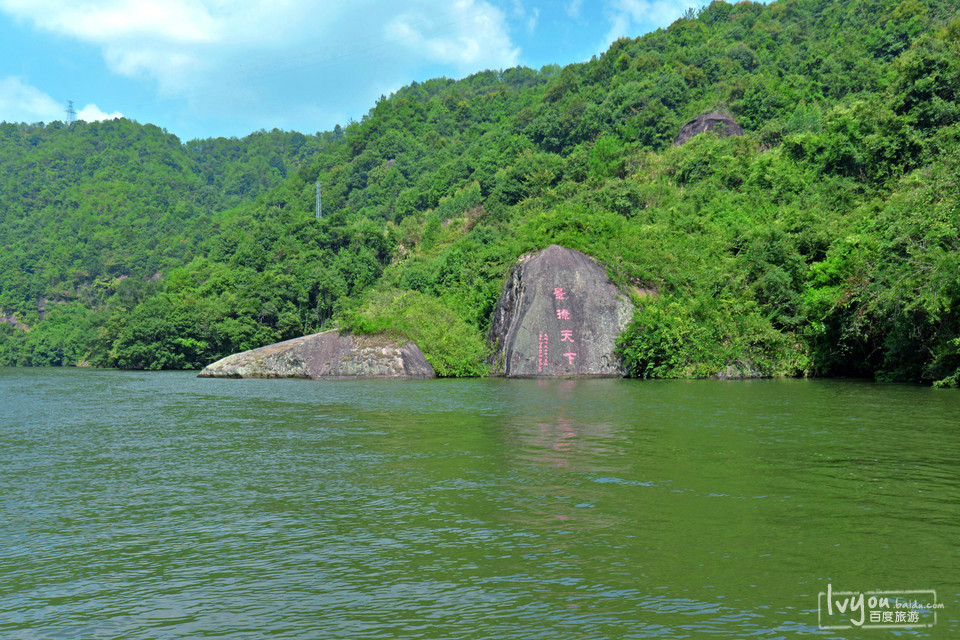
(825, 241)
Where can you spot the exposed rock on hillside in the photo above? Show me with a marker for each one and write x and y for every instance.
(558, 316)
(327, 355)
(10, 319)
(718, 122)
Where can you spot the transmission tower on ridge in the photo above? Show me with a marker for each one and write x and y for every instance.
(71, 112)
(319, 213)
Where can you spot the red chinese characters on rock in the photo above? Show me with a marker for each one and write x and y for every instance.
(543, 351)
(566, 335)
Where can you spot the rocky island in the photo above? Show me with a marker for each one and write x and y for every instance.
(329, 355)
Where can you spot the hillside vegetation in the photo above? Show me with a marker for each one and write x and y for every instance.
(825, 241)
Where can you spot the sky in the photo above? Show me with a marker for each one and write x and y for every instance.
(209, 68)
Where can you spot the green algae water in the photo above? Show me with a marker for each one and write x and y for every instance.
(159, 505)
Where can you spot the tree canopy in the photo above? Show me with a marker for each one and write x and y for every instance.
(823, 241)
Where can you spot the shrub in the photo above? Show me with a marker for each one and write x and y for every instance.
(451, 345)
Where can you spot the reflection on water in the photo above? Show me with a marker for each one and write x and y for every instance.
(162, 506)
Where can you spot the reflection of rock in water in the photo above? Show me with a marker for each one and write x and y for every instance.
(565, 450)
(558, 316)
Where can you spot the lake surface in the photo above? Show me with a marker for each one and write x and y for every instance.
(159, 505)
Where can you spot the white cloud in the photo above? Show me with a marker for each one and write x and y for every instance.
(273, 58)
(639, 16)
(466, 34)
(573, 8)
(178, 42)
(529, 19)
(533, 20)
(100, 21)
(92, 113)
(656, 12)
(20, 102)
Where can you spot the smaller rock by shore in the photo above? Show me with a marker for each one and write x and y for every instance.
(329, 355)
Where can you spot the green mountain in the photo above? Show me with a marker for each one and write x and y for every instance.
(823, 241)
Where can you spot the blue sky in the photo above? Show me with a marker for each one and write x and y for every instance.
(206, 68)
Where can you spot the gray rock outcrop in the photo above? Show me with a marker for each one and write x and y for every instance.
(724, 126)
(739, 370)
(326, 356)
(10, 319)
(558, 316)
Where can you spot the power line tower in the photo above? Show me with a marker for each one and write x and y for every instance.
(319, 210)
(71, 112)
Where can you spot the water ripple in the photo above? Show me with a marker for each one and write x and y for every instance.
(162, 506)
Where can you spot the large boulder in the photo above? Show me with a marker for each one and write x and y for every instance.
(328, 355)
(723, 126)
(558, 316)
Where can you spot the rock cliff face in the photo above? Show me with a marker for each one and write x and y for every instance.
(10, 319)
(720, 123)
(558, 316)
(328, 356)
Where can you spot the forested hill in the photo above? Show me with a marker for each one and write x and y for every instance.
(824, 241)
(85, 202)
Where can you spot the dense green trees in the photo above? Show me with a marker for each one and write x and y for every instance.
(823, 242)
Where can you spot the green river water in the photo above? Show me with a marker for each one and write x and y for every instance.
(159, 505)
